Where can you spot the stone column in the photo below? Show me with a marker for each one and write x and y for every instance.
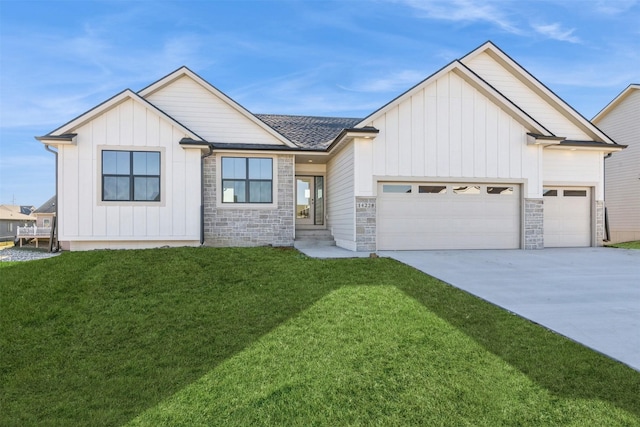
(366, 224)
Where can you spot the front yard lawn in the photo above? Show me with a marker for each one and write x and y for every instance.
(267, 336)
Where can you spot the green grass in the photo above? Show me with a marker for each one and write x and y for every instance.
(627, 245)
(268, 336)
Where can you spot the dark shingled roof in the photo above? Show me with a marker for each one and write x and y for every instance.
(307, 132)
(47, 207)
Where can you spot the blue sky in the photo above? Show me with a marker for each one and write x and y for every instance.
(343, 58)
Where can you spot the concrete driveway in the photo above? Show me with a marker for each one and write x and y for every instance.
(590, 295)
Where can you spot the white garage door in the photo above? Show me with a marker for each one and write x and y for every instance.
(567, 217)
(413, 216)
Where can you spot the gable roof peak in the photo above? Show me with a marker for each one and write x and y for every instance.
(615, 101)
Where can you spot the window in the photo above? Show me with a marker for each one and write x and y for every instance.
(392, 188)
(247, 180)
(131, 176)
(467, 189)
(548, 192)
(46, 222)
(575, 193)
(500, 190)
(432, 189)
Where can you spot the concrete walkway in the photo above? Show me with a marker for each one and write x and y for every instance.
(590, 295)
(331, 252)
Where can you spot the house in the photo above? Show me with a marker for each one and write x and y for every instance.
(478, 155)
(12, 217)
(620, 119)
(43, 226)
(45, 213)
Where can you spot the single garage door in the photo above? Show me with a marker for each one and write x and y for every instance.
(567, 217)
(414, 216)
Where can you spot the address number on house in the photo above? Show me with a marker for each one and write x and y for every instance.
(365, 205)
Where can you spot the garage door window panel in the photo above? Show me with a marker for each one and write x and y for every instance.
(467, 189)
(503, 191)
(396, 188)
(575, 193)
(432, 189)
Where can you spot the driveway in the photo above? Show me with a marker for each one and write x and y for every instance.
(590, 295)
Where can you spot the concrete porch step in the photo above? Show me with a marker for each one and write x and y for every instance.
(313, 234)
(313, 237)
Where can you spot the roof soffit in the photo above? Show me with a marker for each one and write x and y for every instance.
(186, 72)
(539, 89)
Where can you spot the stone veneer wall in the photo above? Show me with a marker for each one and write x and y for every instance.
(533, 224)
(247, 226)
(599, 222)
(365, 224)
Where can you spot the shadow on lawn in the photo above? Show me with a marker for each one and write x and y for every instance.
(563, 367)
(90, 340)
(91, 343)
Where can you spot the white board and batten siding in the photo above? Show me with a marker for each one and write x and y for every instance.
(524, 96)
(340, 198)
(206, 114)
(574, 168)
(448, 129)
(622, 192)
(88, 222)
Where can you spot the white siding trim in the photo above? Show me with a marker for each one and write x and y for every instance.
(340, 200)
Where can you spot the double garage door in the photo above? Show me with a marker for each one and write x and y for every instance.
(413, 216)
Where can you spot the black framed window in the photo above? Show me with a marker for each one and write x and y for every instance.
(132, 176)
(247, 180)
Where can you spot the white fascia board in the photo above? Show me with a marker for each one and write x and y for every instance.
(113, 102)
(499, 99)
(549, 96)
(58, 141)
(402, 97)
(543, 140)
(184, 71)
(614, 103)
(475, 81)
(609, 148)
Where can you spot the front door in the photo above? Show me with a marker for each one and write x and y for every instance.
(309, 200)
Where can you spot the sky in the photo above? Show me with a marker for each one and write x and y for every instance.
(345, 58)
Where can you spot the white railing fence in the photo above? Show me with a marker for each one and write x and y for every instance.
(34, 231)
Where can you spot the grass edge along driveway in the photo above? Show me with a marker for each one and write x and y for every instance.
(260, 335)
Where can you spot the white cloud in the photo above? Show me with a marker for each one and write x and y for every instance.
(465, 11)
(393, 82)
(614, 7)
(555, 31)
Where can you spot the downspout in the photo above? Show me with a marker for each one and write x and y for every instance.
(204, 156)
(607, 232)
(53, 245)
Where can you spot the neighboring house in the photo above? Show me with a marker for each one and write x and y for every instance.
(478, 155)
(45, 213)
(621, 120)
(12, 217)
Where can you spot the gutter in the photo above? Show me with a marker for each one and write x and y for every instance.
(54, 229)
(204, 156)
